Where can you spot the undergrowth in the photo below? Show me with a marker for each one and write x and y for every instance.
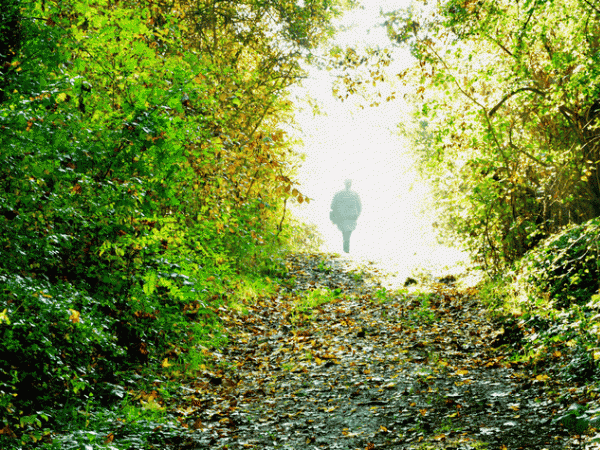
(71, 380)
(547, 309)
(548, 306)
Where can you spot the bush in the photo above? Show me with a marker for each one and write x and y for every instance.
(566, 265)
(54, 345)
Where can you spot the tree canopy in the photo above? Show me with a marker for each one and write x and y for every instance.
(508, 117)
(142, 164)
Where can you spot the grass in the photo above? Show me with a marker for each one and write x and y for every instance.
(247, 290)
(303, 306)
(421, 311)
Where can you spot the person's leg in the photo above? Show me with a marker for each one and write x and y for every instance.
(347, 241)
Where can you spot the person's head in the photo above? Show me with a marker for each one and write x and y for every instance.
(348, 183)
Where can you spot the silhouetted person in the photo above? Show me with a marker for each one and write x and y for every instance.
(345, 209)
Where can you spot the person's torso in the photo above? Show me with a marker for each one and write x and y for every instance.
(346, 204)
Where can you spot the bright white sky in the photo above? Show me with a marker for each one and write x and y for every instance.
(363, 144)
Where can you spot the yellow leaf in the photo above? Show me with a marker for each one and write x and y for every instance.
(166, 363)
(462, 372)
(542, 377)
(74, 317)
(4, 317)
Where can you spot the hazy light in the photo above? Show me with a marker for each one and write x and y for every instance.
(395, 227)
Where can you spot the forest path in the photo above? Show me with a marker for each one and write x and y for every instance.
(369, 370)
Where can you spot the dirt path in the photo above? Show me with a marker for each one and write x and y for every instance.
(369, 371)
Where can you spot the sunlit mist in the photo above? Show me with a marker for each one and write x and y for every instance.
(396, 227)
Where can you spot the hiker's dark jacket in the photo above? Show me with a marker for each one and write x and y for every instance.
(345, 209)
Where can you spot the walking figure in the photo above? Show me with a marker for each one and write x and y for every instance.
(345, 209)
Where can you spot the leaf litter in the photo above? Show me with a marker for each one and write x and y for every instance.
(335, 361)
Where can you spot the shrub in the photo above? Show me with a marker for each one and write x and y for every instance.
(566, 265)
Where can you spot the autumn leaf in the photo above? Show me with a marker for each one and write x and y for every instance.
(74, 317)
(4, 317)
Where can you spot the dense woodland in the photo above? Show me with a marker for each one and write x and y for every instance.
(145, 176)
(510, 101)
(142, 165)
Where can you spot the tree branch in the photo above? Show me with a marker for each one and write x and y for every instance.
(507, 96)
(499, 44)
(592, 6)
(279, 228)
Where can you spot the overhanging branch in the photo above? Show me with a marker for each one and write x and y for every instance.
(592, 6)
(507, 96)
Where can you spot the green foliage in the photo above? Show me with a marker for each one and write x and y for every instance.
(507, 126)
(139, 421)
(56, 342)
(305, 304)
(547, 306)
(420, 311)
(579, 418)
(142, 173)
(565, 266)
